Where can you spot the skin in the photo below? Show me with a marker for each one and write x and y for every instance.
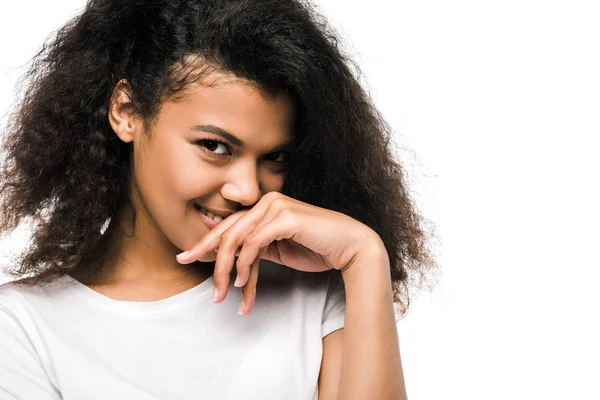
(363, 359)
(172, 171)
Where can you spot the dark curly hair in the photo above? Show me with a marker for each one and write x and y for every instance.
(67, 171)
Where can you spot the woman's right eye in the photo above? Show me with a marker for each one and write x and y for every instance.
(212, 145)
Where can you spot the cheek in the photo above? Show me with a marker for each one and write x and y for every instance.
(157, 168)
(165, 171)
(271, 182)
(175, 168)
(196, 178)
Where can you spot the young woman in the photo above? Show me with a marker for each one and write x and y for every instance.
(170, 152)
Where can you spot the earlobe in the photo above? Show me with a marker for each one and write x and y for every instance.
(120, 112)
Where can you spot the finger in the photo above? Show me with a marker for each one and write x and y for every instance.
(249, 290)
(266, 205)
(210, 241)
(252, 244)
(230, 242)
(250, 251)
(284, 225)
(224, 264)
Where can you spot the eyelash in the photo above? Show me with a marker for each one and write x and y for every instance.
(203, 141)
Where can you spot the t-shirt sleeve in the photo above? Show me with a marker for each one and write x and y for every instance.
(21, 372)
(335, 307)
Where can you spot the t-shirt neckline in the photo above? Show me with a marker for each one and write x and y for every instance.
(203, 289)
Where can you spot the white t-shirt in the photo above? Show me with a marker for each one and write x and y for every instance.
(66, 341)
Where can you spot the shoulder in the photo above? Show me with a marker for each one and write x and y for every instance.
(13, 303)
(20, 296)
(24, 357)
(13, 291)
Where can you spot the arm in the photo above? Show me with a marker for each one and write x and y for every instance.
(370, 364)
(331, 364)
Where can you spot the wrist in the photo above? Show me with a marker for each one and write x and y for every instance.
(372, 260)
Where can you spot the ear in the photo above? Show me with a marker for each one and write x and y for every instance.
(121, 112)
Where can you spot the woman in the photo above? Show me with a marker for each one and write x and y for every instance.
(166, 150)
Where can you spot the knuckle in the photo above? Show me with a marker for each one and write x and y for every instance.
(226, 236)
(272, 195)
(229, 241)
(250, 239)
(287, 214)
(278, 203)
(221, 273)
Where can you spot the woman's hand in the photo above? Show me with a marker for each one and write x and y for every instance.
(283, 230)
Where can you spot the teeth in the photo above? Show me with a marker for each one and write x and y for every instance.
(216, 218)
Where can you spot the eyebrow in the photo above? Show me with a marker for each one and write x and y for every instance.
(288, 145)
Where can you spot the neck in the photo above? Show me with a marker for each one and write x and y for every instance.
(124, 256)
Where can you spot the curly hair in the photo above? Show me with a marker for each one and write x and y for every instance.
(67, 171)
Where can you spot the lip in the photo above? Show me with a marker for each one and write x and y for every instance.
(216, 211)
(209, 222)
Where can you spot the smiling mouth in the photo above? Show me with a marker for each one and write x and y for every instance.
(216, 218)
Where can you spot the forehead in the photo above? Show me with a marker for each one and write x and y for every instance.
(237, 106)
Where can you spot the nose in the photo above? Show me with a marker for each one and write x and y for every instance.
(242, 185)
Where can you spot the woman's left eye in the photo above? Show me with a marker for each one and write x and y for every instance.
(211, 144)
(279, 159)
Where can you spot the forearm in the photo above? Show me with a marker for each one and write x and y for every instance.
(371, 364)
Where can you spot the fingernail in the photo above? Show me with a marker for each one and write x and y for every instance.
(238, 281)
(241, 309)
(182, 255)
(215, 295)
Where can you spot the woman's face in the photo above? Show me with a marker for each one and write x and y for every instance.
(181, 162)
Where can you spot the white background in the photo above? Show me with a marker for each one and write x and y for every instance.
(498, 106)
